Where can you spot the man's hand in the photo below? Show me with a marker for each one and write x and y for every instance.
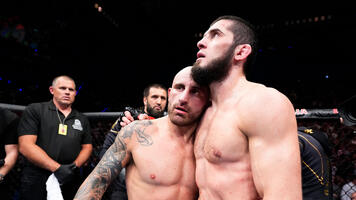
(127, 119)
(65, 173)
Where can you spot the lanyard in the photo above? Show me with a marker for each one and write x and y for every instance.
(60, 117)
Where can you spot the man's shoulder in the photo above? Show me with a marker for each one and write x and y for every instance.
(140, 129)
(139, 124)
(261, 97)
(38, 105)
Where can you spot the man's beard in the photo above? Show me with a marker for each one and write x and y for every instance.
(215, 71)
(154, 113)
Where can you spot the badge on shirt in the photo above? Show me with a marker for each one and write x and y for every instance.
(62, 130)
(77, 125)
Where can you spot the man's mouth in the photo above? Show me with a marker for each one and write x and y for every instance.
(157, 108)
(200, 55)
(181, 109)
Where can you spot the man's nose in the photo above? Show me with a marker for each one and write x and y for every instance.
(183, 98)
(202, 43)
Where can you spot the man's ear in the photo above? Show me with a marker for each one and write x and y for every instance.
(169, 91)
(51, 89)
(145, 101)
(242, 51)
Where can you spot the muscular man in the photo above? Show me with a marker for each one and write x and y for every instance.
(155, 101)
(158, 154)
(54, 138)
(246, 146)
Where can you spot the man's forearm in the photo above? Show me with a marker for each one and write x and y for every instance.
(37, 156)
(106, 170)
(10, 159)
(83, 155)
(99, 179)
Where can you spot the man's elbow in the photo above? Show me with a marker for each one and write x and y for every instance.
(87, 147)
(22, 148)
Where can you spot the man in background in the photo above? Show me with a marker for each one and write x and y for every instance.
(54, 138)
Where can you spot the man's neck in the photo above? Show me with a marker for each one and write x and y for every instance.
(220, 91)
(186, 132)
(64, 108)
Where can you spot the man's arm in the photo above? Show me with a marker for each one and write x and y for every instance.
(11, 142)
(34, 153)
(274, 148)
(12, 152)
(115, 158)
(84, 154)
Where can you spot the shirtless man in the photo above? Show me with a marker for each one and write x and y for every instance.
(246, 146)
(158, 154)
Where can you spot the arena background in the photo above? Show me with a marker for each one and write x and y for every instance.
(113, 49)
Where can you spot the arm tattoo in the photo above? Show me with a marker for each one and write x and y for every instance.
(110, 165)
(139, 129)
(106, 171)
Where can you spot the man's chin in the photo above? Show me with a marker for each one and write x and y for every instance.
(198, 64)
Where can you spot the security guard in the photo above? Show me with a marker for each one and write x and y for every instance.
(55, 139)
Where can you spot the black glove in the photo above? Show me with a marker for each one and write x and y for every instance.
(134, 112)
(65, 173)
(2, 162)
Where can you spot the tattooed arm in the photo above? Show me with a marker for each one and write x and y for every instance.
(107, 169)
(115, 158)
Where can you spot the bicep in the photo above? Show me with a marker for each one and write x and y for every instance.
(87, 147)
(26, 143)
(27, 140)
(29, 121)
(274, 145)
(114, 159)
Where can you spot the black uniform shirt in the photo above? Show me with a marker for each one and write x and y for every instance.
(8, 130)
(41, 119)
(315, 168)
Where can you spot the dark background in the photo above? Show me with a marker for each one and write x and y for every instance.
(306, 51)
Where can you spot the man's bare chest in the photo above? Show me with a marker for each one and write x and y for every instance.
(165, 164)
(219, 138)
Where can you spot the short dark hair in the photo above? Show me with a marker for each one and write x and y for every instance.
(62, 76)
(244, 33)
(146, 91)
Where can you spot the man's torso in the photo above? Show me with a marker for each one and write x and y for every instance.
(163, 170)
(222, 154)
